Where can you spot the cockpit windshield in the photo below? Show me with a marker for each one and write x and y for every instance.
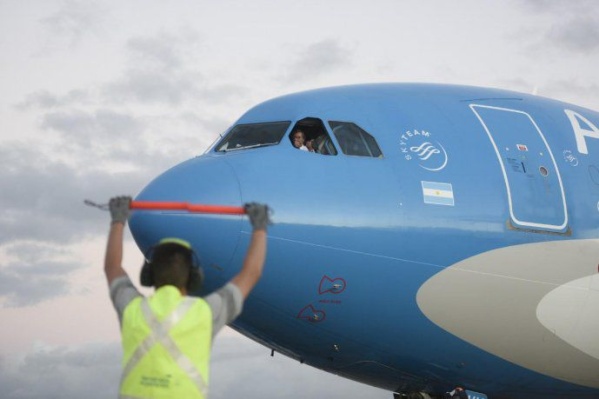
(253, 135)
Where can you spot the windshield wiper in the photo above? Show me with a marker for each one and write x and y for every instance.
(250, 146)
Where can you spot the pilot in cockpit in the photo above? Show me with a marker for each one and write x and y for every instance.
(299, 140)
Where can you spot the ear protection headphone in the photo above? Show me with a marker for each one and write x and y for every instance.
(196, 274)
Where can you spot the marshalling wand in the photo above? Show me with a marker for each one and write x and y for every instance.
(177, 206)
(186, 206)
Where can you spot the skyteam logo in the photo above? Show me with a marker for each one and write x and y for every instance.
(418, 145)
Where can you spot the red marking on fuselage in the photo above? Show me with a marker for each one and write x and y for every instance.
(328, 284)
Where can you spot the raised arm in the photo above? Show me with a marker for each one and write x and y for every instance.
(254, 259)
(119, 212)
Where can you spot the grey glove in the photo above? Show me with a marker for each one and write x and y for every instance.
(258, 214)
(119, 209)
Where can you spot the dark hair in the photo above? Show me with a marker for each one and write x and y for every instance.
(171, 264)
(299, 131)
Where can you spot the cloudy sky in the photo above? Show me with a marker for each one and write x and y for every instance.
(98, 97)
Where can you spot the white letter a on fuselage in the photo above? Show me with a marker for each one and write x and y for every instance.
(579, 132)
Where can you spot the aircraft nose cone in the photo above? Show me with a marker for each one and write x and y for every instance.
(202, 180)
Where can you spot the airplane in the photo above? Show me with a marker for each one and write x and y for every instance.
(437, 236)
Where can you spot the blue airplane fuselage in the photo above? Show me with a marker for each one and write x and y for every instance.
(439, 236)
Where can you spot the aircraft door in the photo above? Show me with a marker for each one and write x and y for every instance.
(534, 186)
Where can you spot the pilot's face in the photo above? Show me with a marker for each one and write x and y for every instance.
(298, 139)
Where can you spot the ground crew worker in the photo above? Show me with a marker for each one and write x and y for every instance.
(167, 337)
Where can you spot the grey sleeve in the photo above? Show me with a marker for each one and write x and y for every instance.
(226, 304)
(122, 292)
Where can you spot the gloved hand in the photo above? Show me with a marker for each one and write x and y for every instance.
(119, 209)
(258, 214)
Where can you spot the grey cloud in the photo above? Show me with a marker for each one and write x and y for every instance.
(42, 200)
(42, 209)
(93, 129)
(90, 371)
(26, 284)
(570, 26)
(30, 253)
(551, 6)
(74, 19)
(173, 88)
(540, 5)
(34, 275)
(164, 52)
(154, 87)
(223, 92)
(579, 34)
(162, 69)
(45, 99)
(84, 125)
(104, 136)
(196, 123)
(44, 186)
(317, 59)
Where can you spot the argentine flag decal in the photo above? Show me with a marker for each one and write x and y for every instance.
(437, 193)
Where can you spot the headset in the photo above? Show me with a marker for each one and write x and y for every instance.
(196, 274)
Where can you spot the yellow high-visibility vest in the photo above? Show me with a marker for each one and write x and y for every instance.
(166, 346)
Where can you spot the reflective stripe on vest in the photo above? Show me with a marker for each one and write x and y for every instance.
(159, 334)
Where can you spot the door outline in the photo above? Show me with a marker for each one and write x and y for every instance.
(531, 225)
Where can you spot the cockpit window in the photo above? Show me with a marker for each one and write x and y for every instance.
(354, 140)
(309, 134)
(253, 135)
